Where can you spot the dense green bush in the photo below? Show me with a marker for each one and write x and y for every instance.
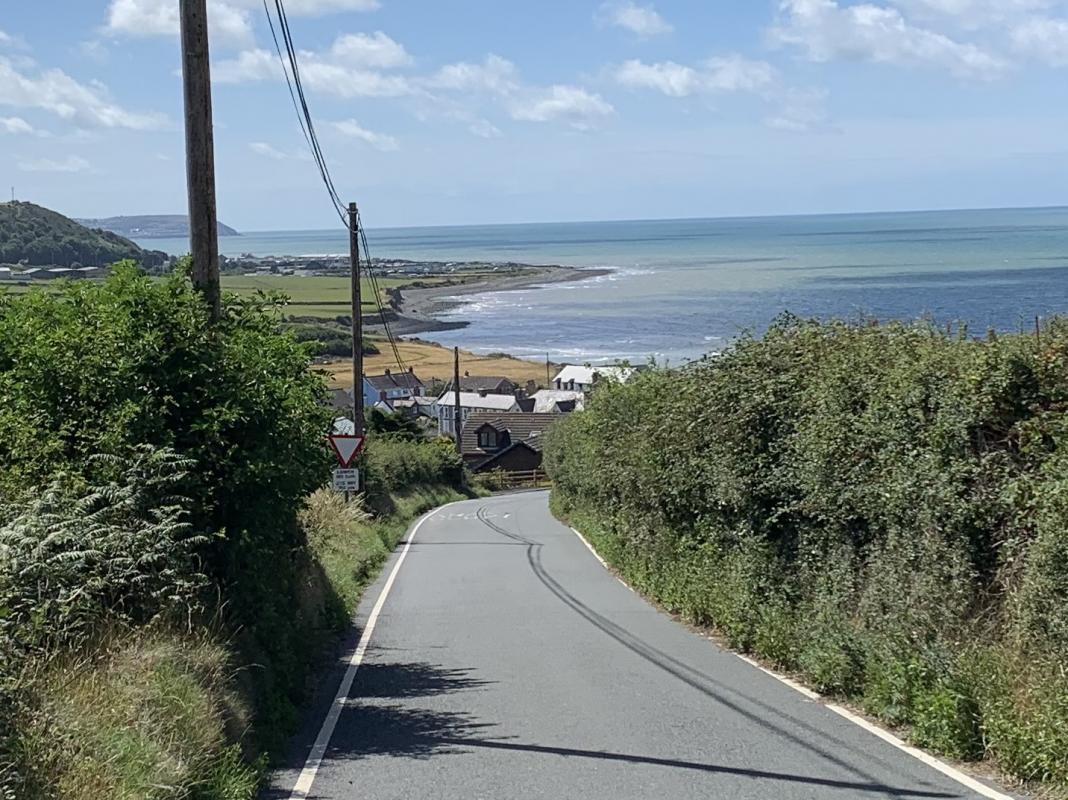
(397, 464)
(70, 557)
(111, 367)
(324, 338)
(879, 508)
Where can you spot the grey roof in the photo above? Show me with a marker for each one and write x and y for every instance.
(394, 380)
(520, 428)
(489, 383)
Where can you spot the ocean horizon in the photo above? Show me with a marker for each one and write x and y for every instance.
(682, 288)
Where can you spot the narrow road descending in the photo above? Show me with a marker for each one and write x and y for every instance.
(507, 663)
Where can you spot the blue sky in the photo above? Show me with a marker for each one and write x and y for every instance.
(480, 111)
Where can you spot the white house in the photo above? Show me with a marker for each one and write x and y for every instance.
(470, 402)
(581, 379)
(5, 273)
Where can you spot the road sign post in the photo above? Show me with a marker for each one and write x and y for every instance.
(346, 447)
(346, 480)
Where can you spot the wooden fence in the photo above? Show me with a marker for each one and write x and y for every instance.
(500, 480)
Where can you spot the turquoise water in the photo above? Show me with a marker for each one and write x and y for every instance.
(682, 288)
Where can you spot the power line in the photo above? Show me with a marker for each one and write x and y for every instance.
(291, 70)
(377, 291)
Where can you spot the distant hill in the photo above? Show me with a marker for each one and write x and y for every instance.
(151, 226)
(40, 237)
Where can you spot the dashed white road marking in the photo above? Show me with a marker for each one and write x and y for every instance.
(950, 772)
(315, 758)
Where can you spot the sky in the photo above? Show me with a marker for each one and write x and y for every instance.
(442, 112)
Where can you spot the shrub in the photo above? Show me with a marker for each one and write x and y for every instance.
(110, 367)
(880, 508)
(123, 550)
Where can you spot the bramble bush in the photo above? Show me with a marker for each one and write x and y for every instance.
(878, 508)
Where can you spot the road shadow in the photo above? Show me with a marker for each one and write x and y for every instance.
(368, 727)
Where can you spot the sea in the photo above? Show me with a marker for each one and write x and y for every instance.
(680, 289)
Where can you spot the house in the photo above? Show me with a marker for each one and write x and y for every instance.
(390, 386)
(470, 403)
(581, 379)
(557, 401)
(491, 384)
(417, 407)
(511, 441)
(341, 401)
(5, 273)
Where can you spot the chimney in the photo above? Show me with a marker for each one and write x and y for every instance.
(411, 370)
(382, 396)
(482, 393)
(557, 383)
(387, 371)
(467, 374)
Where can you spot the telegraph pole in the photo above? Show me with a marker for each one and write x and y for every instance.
(200, 152)
(456, 415)
(357, 321)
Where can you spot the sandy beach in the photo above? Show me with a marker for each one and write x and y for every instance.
(417, 309)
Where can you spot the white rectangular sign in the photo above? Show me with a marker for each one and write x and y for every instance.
(346, 480)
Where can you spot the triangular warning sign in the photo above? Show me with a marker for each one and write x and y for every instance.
(346, 447)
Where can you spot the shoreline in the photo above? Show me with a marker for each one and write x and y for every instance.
(417, 308)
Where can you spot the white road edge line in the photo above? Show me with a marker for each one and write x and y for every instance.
(950, 772)
(304, 783)
(603, 562)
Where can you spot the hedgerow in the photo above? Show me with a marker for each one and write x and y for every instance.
(880, 508)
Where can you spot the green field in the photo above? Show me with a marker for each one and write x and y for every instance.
(326, 297)
(314, 296)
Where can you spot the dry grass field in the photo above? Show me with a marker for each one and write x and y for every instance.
(432, 361)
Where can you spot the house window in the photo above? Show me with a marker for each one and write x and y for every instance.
(487, 438)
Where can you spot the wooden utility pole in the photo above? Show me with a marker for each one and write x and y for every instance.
(357, 321)
(200, 152)
(456, 415)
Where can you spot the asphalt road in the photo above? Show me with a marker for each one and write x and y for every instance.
(507, 663)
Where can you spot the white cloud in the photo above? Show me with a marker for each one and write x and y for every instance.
(55, 91)
(335, 79)
(229, 21)
(69, 164)
(1043, 39)
(728, 74)
(972, 14)
(379, 141)
(15, 125)
(317, 73)
(250, 65)
(264, 149)
(142, 18)
(494, 74)
(825, 31)
(571, 103)
(376, 50)
(642, 20)
(5, 38)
